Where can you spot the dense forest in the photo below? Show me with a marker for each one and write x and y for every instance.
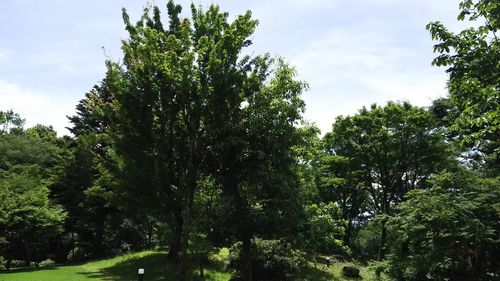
(188, 145)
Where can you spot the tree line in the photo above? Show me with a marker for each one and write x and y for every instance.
(189, 145)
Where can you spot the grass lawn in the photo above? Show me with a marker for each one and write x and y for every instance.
(122, 268)
(319, 272)
(156, 265)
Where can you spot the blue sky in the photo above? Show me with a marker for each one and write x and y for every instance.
(352, 53)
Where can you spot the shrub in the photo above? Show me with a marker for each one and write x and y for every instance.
(77, 254)
(47, 263)
(448, 231)
(18, 263)
(350, 271)
(367, 241)
(2, 263)
(271, 260)
(378, 267)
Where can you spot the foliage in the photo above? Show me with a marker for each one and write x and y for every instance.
(10, 121)
(372, 159)
(271, 260)
(365, 244)
(184, 105)
(350, 271)
(19, 263)
(325, 229)
(28, 165)
(447, 231)
(473, 60)
(378, 267)
(47, 263)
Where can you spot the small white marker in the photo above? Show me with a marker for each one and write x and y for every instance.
(140, 271)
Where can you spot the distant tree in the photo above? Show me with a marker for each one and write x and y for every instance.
(472, 57)
(341, 180)
(10, 120)
(28, 218)
(325, 229)
(449, 231)
(380, 154)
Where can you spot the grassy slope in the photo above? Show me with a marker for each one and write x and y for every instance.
(124, 268)
(319, 272)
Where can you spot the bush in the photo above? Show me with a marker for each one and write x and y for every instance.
(47, 263)
(378, 267)
(18, 263)
(271, 260)
(77, 254)
(448, 231)
(2, 263)
(367, 240)
(350, 271)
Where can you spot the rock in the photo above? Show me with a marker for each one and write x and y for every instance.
(350, 271)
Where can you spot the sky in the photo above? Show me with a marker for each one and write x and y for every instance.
(351, 53)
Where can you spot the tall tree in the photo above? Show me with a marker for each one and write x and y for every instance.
(86, 187)
(185, 102)
(156, 126)
(389, 150)
(472, 58)
(253, 155)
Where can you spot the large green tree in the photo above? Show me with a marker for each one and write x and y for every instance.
(29, 161)
(187, 105)
(380, 154)
(448, 231)
(252, 156)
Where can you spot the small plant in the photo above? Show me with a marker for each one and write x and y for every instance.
(77, 254)
(18, 263)
(350, 271)
(47, 263)
(2, 263)
(378, 267)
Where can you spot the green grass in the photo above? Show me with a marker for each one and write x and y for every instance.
(157, 267)
(319, 272)
(122, 268)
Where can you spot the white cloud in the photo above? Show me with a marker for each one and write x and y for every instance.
(5, 55)
(351, 68)
(35, 106)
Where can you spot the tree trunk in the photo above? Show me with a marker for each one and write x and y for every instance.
(191, 184)
(181, 270)
(202, 275)
(99, 233)
(27, 250)
(383, 238)
(247, 258)
(244, 231)
(383, 233)
(9, 263)
(175, 242)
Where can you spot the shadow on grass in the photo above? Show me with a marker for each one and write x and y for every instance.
(322, 273)
(312, 273)
(156, 267)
